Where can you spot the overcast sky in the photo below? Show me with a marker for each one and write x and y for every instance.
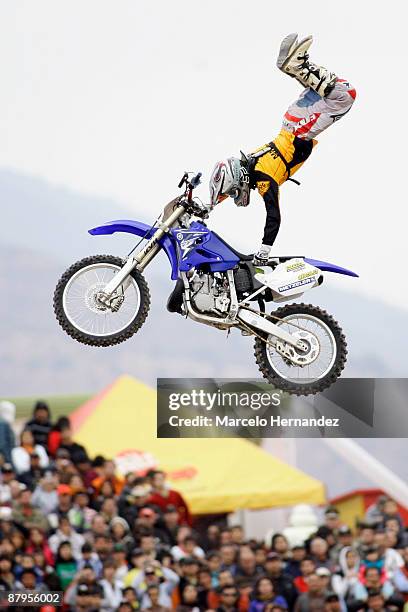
(119, 98)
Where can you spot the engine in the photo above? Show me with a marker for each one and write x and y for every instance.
(210, 293)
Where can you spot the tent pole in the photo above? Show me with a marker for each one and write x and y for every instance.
(368, 465)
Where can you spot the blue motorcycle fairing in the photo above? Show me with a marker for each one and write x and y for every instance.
(198, 245)
(328, 267)
(195, 247)
(140, 229)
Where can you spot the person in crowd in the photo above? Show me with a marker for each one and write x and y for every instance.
(371, 578)
(187, 547)
(112, 588)
(20, 455)
(348, 574)
(7, 577)
(7, 475)
(165, 578)
(307, 568)
(54, 436)
(38, 542)
(65, 565)
(163, 496)
(189, 600)
(40, 423)
(319, 550)
(246, 566)
(66, 533)
(293, 564)
(80, 513)
(314, 598)
(280, 545)
(67, 443)
(264, 593)
(45, 495)
(25, 513)
(7, 438)
(229, 597)
(282, 581)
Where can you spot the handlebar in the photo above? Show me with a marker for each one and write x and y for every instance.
(195, 181)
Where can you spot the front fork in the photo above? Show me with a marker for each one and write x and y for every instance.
(144, 256)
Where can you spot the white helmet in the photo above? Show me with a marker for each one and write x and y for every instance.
(229, 178)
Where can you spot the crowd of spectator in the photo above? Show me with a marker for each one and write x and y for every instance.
(71, 523)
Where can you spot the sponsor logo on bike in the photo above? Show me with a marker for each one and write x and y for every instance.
(299, 283)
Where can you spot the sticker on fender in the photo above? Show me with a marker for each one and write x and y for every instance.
(306, 281)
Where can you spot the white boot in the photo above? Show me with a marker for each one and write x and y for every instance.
(287, 47)
(311, 75)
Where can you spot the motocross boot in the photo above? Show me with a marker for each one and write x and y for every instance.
(297, 65)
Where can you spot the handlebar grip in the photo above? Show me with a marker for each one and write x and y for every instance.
(183, 180)
(196, 180)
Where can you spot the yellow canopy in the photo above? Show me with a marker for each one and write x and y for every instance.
(214, 475)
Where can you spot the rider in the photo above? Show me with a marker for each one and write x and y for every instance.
(325, 99)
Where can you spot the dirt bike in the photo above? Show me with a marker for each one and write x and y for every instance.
(104, 300)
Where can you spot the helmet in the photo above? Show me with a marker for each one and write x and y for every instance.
(229, 178)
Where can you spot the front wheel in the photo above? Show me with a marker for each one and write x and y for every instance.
(82, 315)
(327, 348)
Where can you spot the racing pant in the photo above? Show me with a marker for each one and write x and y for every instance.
(305, 119)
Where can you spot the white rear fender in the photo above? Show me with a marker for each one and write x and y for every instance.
(289, 279)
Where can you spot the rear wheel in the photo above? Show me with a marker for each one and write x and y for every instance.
(324, 357)
(88, 320)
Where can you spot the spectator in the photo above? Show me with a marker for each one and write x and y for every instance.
(65, 533)
(20, 455)
(7, 578)
(228, 599)
(108, 475)
(401, 576)
(163, 577)
(247, 566)
(7, 440)
(38, 542)
(40, 424)
(130, 597)
(89, 558)
(75, 450)
(54, 436)
(371, 578)
(348, 574)
(282, 582)
(80, 513)
(112, 588)
(189, 599)
(280, 545)
(307, 568)
(25, 514)
(264, 593)
(163, 496)
(315, 597)
(293, 564)
(65, 565)
(187, 547)
(319, 550)
(7, 474)
(45, 496)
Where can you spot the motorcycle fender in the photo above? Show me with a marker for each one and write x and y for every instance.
(290, 279)
(138, 228)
